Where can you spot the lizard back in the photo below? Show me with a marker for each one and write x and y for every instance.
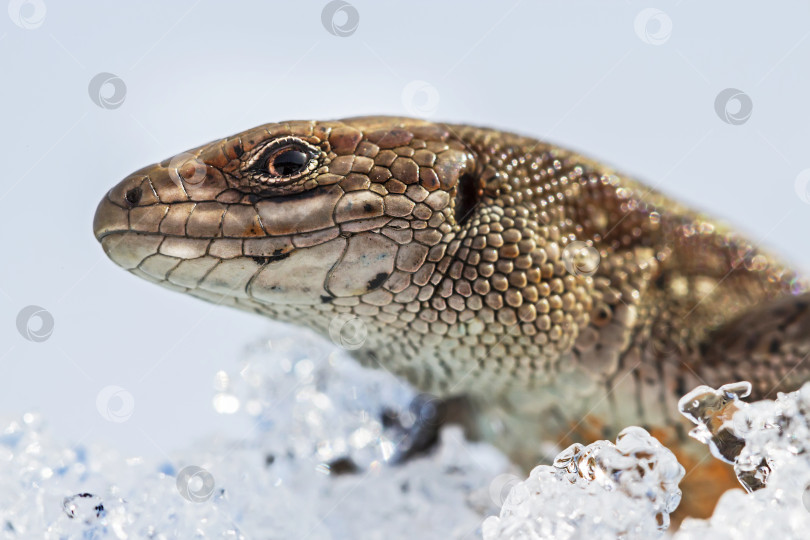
(545, 285)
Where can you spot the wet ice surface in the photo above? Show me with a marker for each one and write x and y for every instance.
(627, 490)
(316, 466)
(320, 464)
(769, 444)
(777, 511)
(713, 412)
(597, 491)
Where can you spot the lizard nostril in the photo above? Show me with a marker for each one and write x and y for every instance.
(133, 196)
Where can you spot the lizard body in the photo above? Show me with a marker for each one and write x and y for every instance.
(544, 285)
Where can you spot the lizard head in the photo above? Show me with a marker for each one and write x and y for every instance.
(293, 214)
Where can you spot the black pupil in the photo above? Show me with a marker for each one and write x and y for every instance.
(289, 162)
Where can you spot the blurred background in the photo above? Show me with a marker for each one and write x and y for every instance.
(706, 101)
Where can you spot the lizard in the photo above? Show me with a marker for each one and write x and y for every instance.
(565, 299)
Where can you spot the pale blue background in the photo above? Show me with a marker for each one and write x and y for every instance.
(574, 72)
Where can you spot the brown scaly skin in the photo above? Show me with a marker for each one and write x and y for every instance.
(448, 242)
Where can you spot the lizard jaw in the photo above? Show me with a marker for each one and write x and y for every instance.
(299, 276)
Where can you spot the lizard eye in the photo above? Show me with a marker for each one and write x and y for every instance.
(284, 158)
(287, 161)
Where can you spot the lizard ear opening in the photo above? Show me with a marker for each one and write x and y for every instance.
(468, 194)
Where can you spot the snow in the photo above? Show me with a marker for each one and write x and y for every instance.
(324, 461)
(320, 464)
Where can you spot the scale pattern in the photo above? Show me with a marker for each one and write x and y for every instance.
(461, 251)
